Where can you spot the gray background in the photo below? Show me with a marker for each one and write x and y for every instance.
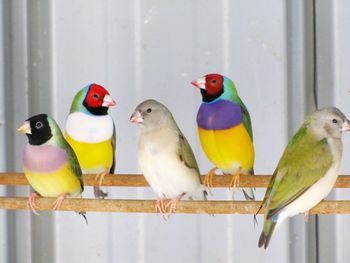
(141, 49)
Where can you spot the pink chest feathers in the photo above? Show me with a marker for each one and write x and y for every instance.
(43, 158)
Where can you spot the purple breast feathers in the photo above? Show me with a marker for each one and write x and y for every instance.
(43, 158)
(219, 115)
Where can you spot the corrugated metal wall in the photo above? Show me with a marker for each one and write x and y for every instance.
(153, 49)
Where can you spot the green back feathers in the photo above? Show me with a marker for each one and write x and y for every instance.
(230, 93)
(57, 136)
(305, 160)
(77, 104)
(114, 141)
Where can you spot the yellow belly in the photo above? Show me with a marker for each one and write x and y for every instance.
(228, 149)
(56, 183)
(93, 156)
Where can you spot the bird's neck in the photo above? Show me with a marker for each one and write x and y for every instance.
(100, 111)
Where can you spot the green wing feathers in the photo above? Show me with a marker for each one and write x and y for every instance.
(305, 160)
(246, 118)
(114, 141)
(266, 234)
(74, 163)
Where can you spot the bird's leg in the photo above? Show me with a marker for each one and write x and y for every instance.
(235, 179)
(98, 182)
(31, 202)
(208, 179)
(173, 203)
(160, 206)
(306, 215)
(58, 202)
(101, 176)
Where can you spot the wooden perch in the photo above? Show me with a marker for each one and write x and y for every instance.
(137, 180)
(147, 206)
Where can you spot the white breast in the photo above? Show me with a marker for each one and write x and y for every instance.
(87, 128)
(165, 172)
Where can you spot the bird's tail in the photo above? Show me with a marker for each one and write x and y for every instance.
(269, 226)
(83, 214)
(249, 194)
(200, 194)
(98, 193)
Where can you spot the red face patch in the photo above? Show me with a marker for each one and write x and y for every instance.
(95, 95)
(214, 84)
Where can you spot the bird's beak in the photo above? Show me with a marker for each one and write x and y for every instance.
(136, 117)
(346, 126)
(199, 83)
(108, 101)
(25, 128)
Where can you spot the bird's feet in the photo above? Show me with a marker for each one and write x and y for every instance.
(171, 205)
(98, 182)
(58, 202)
(31, 202)
(235, 179)
(306, 216)
(160, 206)
(208, 179)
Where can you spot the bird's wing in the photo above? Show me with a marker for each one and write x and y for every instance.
(246, 118)
(114, 141)
(74, 163)
(185, 153)
(305, 160)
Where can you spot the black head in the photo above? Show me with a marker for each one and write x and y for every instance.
(37, 129)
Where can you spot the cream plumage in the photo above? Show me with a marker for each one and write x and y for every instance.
(165, 156)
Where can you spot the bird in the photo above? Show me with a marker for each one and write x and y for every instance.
(49, 163)
(225, 130)
(91, 132)
(307, 170)
(165, 157)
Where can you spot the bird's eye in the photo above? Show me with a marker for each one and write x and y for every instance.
(95, 96)
(149, 110)
(39, 125)
(213, 81)
(335, 121)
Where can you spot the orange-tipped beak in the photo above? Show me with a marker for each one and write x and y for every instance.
(108, 101)
(136, 117)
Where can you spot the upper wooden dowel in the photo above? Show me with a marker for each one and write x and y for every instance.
(137, 180)
(147, 206)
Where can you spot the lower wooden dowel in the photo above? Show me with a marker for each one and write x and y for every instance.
(147, 206)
